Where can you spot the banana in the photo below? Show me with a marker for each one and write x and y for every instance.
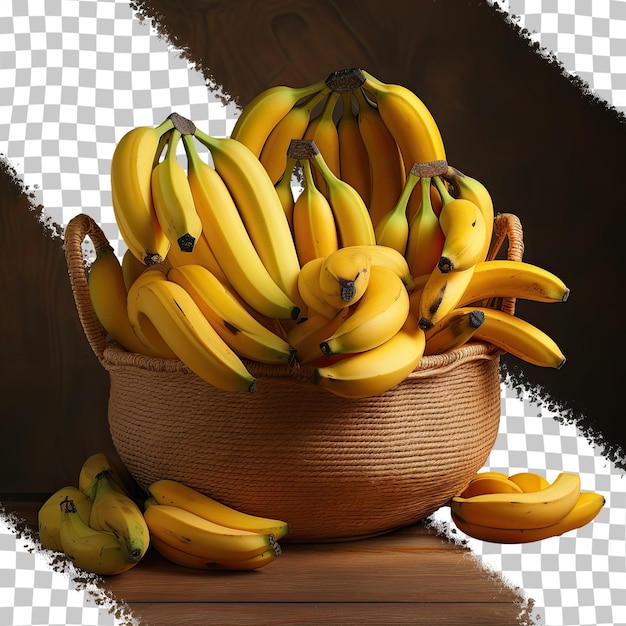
(518, 337)
(504, 278)
(257, 201)
(409, 121)
(529, 481)
(50, 514)
(469, 188)
(375, 371)
(378, 315)
(173, 201)
(230, 242)
(344, 276)
(131, 192)
(314, 229)
(425, 240)
(386, 166)
(184, 559)
(466, 237)
(440, 294)
(322, 130)
(95, 551)
(229, 317)
(195, 535)
(453, 331)
(97, 463)
(107, 292)
(113, 511)
(259, 117)
(293, 125)
(132, 267)
(179, 320)
(587, 507)
(178, 494)
(489, 484)
(311, 292)
(285, 191)
(354, 162)
(537, 509)
(391, 258)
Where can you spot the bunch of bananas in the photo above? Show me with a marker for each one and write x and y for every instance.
(523, 507)
(381, 259)
(96, 523)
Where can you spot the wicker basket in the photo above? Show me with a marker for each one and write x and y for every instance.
(333, 468)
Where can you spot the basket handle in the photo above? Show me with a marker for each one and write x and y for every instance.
(77, 229)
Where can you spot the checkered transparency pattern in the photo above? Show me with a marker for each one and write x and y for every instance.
(75, 75)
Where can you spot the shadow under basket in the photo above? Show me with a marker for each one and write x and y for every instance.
(334, 468)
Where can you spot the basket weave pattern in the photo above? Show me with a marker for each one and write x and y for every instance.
(333, 468)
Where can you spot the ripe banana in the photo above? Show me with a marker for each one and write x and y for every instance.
(259, 117)
(132, 267)
(95, 551)
(466, 237)
(409, 121)
(518, 337)
(375, 371)
(529, 481)
(489, 484)
(314, 229)
(453, 331)
(537, 509)
(229, 317)
(284, 190)
(113, 511)
(391, 258)
(377, 316)
(230, 241)
(180, 495)
(173, 201)
(344, 276)
(131, 192)
(257, 201)
(587, 507)
(97, 463)
(180, 322)
(195, 535)
(49, 515)
(107, 292)
(311, 292)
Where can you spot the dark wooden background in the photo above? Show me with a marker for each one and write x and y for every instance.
(546, 149)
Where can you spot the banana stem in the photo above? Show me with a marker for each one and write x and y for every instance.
(442, 189)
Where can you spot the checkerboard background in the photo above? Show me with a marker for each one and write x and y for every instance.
(59, 127)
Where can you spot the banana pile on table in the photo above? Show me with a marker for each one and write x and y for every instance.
(102, 529)
(381, 259)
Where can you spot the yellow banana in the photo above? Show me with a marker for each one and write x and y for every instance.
(409, 121)
(293, 125)
(314, 229)
(131, 192)
(95, 551)
(469, 188)
(99, 462)
(230, 242)
(466, 238)
(386, 166)
(113, 511)
(391, 258)
(521, 510)
(107, 292)
(378, 315)
(392, 229)
(257, 201)
(195, 535)
(177, 556)
(284, 190)
(178, 494)
(529, 481)
(173, 201)
(232, 321)
(311, 292)
(322, 130)
(489, 484)
(180, 322)
(49, 515)
(259, 117)
(375, 371)
(453, 331)
(518, 337)
(354, 162)
(587, 507)
(425, 240)
(344, 275)
(132, 267)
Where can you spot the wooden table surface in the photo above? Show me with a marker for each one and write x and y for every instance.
(410, 576)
